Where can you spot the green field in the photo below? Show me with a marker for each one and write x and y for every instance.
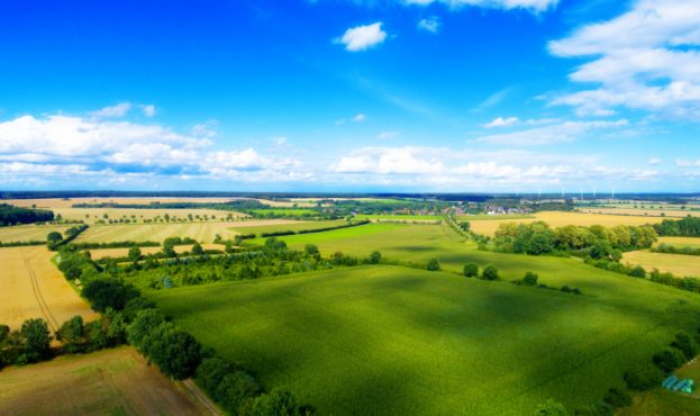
(395, 341)
(297, 226)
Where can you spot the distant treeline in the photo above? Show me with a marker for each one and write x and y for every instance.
(686, 227)
(22, 243)
(11, 215)
(234, 205)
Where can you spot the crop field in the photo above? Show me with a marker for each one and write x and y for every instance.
(680, 242)
(407, 341)
(28, 232)
(204, 232)
(289, 226)
(32, 287)
(91, 215)
(123, 252)
(400, 217)
(651, 212)
(680, 265)
(109, 382)
(560, 219)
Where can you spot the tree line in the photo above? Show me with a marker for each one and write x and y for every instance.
(12, 215)
(686, 227)
(595, 241)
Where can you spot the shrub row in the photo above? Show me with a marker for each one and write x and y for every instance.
(116, 244)
(54, 239)
(22, 243)
(669, 249)
(312, 230)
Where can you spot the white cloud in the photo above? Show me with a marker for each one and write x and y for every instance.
(387, 135)
(502, 122)
(388, 160)
(654, 161)
(646, 58)
(359, 118)
(683, 163)
(361, 38)
(148, 110)
(557, 133)
(91, 145)
(280, 141)
(431, 24)
(118, 110)
(532, 5)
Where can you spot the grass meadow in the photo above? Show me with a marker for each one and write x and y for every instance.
(400, 217)
(393, 340)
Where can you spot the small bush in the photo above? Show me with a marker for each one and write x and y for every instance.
(471, 270)
(433, 265)
(638, 271)
(490, 273)
(644, 377)
(566, 289)
(669, 359)
(530, 279)
(686, 344)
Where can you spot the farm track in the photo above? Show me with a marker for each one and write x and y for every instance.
(43, 306)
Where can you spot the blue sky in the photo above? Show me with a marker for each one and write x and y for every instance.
(351, 95)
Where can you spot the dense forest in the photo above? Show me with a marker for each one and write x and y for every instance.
(11, 215)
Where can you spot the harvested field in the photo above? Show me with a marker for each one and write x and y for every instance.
(28, 232)
(680, 265)
(649, 212)
(559, 219)
(114, 382)
(204, 232)
(123, 252)
(32, 287)
(288, 226)
(91, 215)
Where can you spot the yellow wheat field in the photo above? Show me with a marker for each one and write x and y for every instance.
(679, 264)
(32, 287)
(559, 219)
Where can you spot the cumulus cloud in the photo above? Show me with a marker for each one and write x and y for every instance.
(361, 38)
(148, 110)
(531, 5)
(431, 24)
(85, 146)
(556, 133)
(471, 169)
(387, 135)
(359, 118)
(502, 122)
(646, 58)
(119, 110)
(388, 160)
